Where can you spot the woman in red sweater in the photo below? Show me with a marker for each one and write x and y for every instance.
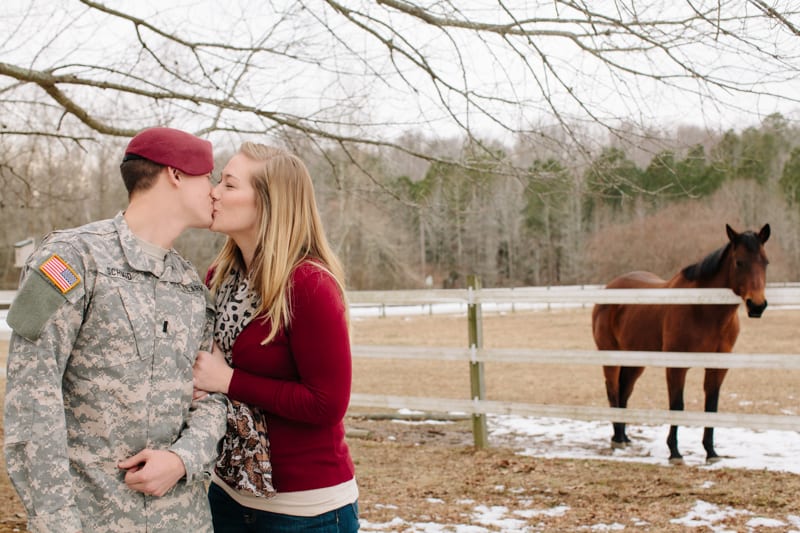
(282, 354)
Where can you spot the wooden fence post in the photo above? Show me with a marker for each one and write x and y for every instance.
(477, 383)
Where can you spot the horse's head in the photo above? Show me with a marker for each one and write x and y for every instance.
(748, 268)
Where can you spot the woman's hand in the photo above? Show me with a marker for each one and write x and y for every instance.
(211, 373)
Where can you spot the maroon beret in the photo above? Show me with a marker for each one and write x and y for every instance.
(173, 148)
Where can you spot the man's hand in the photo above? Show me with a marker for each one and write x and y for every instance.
(153, 472)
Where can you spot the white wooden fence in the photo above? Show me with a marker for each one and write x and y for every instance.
(475, 355)
(6, 297)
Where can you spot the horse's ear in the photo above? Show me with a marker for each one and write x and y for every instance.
(732, 235)
(763, 235)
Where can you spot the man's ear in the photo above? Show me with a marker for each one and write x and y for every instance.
(173, 175)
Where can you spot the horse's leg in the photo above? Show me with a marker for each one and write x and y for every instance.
(627, 379)
(676, 379)
(711, 385)
(612, 374)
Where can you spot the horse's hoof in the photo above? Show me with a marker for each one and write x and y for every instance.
(618, 445)
(676, 461)
(712, 460)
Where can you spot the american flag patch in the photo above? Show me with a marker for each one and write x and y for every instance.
(60, 273)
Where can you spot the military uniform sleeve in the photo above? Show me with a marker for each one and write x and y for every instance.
(197, 445)
(45, 318)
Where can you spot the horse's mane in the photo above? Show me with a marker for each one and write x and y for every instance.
(711, 264)
(707, 267)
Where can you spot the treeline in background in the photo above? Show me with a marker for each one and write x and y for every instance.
(524, 213)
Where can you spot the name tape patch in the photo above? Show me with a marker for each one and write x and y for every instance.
(60, 273)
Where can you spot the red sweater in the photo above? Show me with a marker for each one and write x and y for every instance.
(302, 381)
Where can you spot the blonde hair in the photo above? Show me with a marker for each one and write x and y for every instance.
(289, 233)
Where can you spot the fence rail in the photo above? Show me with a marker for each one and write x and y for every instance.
(777, 294)
(6, 297)
(579, 412)
(780, 361)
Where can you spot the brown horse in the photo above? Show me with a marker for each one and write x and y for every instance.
(740, 265)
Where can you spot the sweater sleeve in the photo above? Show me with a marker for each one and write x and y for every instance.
(320, 348)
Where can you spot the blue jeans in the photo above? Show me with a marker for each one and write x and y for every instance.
(230, 517)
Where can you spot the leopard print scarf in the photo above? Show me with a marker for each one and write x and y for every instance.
(243, 462)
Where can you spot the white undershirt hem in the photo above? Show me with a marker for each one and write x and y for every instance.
(300, 503)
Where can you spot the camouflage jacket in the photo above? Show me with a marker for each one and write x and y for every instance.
(99, 368)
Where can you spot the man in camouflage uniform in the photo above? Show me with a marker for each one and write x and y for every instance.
(101, 433)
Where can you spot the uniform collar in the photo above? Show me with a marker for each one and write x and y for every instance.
(168, 270)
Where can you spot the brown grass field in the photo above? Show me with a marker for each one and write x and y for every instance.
(432, 474)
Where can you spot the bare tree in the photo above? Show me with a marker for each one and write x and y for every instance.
(379, 89)
(365, 71)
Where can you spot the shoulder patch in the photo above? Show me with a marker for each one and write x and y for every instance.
(35, 303)
(60, 273)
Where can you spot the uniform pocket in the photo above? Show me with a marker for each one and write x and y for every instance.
(116, 333)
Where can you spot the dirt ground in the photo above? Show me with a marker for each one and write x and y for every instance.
(430, 473)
